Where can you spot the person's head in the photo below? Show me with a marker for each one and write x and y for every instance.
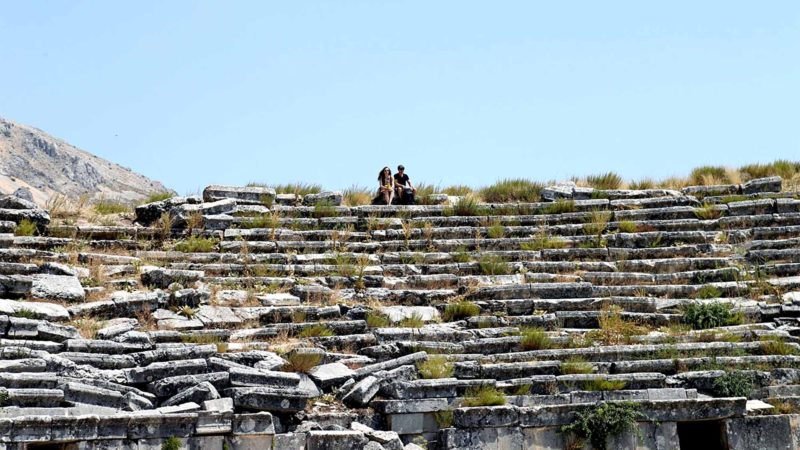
(385, 172)
(401, 169)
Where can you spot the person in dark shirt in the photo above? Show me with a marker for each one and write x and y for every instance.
(405, 190)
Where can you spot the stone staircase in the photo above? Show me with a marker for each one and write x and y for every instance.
(242, 319)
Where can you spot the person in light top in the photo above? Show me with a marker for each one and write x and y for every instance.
(386, 185)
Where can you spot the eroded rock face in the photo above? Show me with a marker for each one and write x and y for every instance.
(41, 164)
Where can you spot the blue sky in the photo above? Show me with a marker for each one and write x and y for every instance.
(193, 93)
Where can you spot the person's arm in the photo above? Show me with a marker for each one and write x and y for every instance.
(411, 185)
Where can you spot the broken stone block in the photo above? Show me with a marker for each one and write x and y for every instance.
(333, 374)
(250, 194)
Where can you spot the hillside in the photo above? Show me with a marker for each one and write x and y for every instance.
(46, 165)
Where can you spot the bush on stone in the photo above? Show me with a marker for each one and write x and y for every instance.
(701, 316)
(597, 424)
(734, 384)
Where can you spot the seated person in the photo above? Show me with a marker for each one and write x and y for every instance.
(385, 187)
(405, 190)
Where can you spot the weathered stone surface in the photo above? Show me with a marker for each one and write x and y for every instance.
(57, 287)
(268, 399)
(251, 194)
(327, 375)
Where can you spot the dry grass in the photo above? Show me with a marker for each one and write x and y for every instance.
(87, 327)
(301, 362)
(615, 330)
(356, 195)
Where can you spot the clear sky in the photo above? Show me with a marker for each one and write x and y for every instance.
(199, 92)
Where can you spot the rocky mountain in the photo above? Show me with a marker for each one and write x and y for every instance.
(47, 165)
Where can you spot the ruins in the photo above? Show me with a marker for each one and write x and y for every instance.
(245, 319)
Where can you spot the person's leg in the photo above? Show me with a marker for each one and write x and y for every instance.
(391, 196)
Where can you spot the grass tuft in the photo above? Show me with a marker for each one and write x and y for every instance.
(483, 396)
(512, 190)
(709, 175)
(575, 366)
(414, 321)
(301, 362)
(105, 207)
(560, 206)
(493, 265)
(534, 338)
(317, 330)
(435, 367)
(25, 228)
(460, 310)
(196, 244)
(608, 180)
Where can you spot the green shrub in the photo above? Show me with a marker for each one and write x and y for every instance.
(377, 320)
(25, 228)
(25, 314)
(460, 310)
(414, 321)
(156, 197)
(293, 188)
(495, 231)
(645, 183)
(317, 330)
(301, 362)
(493, 265)
(105, 207)
(775, 345)
(458, 190)
(608, 180)
(541, 241)
(707, 292)
(701, 316)
(196, 244)
(461, 256)
(483, 396)
(707, 212)
(521, 389)
(602, 384)
(560, 206)
(626, 226)
(575, 366)
(734, 384)
(597, 423)
(186, 311)
(465, 206)
(444, 418)
(269, 220)
(512, 190)
(597, 222)
(709, 175)
(171, 443)
(435, 367)
(325, 209)
(534, 338)
(782, 168)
